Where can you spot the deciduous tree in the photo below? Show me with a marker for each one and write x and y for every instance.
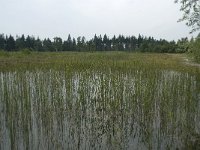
(191, 13)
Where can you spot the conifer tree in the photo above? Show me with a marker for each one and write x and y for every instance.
(10, 43)
(2, 42)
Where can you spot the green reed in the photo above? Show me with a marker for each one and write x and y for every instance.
(98, 101)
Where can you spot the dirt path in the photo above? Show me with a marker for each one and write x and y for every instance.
(186, 60)
(190, 62)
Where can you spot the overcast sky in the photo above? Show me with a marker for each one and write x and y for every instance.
(50, 18)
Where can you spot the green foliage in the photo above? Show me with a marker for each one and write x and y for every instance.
(191, 13)
(21, 42)
(10, 43)
(38, 45)
(25, 51)
(182, 45)
(195, 49)
(2, 41)
(120, 43)
(57, 44)
(30, 40)
(47, 45)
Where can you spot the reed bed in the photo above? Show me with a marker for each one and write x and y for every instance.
(109, 100)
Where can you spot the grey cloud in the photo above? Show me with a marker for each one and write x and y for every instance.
(48, 18)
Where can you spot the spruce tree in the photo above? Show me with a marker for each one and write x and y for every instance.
(2, 42)
(10, 43)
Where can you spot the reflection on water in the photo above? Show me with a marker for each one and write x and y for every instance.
(95, 110)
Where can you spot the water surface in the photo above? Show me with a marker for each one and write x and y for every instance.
(135, 109)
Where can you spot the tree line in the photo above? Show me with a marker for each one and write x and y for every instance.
(97, 43)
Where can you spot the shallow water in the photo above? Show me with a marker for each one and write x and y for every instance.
(136, 109)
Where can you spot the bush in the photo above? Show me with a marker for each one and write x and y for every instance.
(25, 51)
(195, 49)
